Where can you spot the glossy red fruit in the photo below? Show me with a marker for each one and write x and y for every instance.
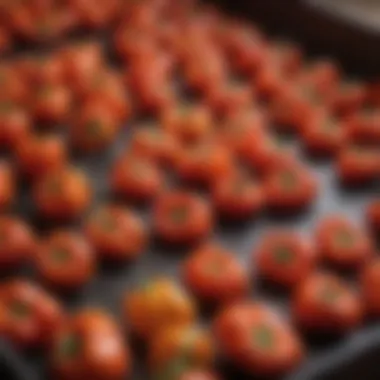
(65, 260)
(214, 275)
(17, 242)
(136, 178)
(238, 196)
(181, 217)
(285, 258)
(116, 233)
(28, 315)
(38, 155)
(63, 194)
(326, 303)
(358, 165)
(290, 187)
(256, 339)
(342, 243)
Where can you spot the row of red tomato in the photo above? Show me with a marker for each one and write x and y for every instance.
(203, 143)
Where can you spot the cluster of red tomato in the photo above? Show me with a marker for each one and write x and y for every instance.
(224, 142)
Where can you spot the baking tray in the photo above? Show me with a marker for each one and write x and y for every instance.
(350, 358)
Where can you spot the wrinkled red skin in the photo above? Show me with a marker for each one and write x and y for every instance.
(364, 127)
(373, 214)
(7, 185)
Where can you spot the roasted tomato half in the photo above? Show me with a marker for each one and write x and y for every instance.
(116, 233)
(358, 165)
(342, 243)
(325, 303)
(178, 349)
(290, 187)
(215, 275)
(198, 375)
(182, 218)
(238, 196)
(89, 345)
(157, 305)
(63, 194)
(38, 155)
(28, 315)
(370, 282)
(255, 338)
(17, 242)
(285, 258)
(65, 260)
(7, 185)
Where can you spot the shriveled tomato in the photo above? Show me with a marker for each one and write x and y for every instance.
(229, 98)
(285, 257)
(290, 187)
(325, 303)
(343, 243)
(136, 178)
(7, 185)
(63, 194)
(324, 135)
(155, 144)
(373, 214)
(5, 40)
(38, 155)
(65, 260)
(17, 242)
(364, 126)
(116, 233)
(180, 348)
(358, 164)
(190, 123)
(182, 217)
(215, 275)
(52, 104)
(15, 124)
(204, 163)
(238, 196)
(94, 128)
(254, 337)
(28, 315)
(370, 282)
(90, 345)
(157, 305)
